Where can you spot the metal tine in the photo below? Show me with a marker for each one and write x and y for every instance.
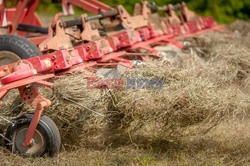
(65, 98)
(10, 142)
(6, 120)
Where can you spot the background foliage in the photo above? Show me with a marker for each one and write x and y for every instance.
(224, 11)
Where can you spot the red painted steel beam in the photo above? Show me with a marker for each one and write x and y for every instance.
(28, 17)
(88, 6)
(38, 39)
(25, 81)
(19, 12)
(3, 20)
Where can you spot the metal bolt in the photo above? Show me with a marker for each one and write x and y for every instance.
(53, 57)
(60, 24)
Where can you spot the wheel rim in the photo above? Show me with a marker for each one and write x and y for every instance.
(7, 57)
(38, 142)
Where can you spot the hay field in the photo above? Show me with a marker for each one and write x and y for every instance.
(201, 116)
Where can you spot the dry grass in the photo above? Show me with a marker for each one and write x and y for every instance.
(199, 117)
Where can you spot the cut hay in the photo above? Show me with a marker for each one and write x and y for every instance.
(202, 86)
(187, 104)
(75, 122)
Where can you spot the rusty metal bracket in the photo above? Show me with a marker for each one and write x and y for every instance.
(130, 22)
(88, 33)
(57, 39)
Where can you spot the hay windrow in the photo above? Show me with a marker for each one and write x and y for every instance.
(187, 104)
(74, 121)
(241, 27)
(227, 55)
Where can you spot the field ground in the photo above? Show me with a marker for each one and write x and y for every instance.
(228, 144)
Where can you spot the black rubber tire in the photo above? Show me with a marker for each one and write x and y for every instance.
(45, 126)
(21, 46)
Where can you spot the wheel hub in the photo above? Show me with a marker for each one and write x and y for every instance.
(37, 146)
(7, 57)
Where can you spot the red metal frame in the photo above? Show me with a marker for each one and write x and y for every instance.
(21, 14)
(24, 14)
(92, 6)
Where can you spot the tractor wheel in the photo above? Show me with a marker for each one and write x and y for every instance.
(46, 140)
(13, 48)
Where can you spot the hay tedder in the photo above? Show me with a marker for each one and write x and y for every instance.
(107, 39)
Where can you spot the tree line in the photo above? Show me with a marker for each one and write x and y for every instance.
(224, 11)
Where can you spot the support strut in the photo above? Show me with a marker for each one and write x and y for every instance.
(30, 95)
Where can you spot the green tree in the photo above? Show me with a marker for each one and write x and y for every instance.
(224, 11)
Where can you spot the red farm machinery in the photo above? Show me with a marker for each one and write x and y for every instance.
(31, 55)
